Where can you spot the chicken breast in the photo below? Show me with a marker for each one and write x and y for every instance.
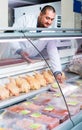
(14, 90)
(22, 84)
(40, 78)
(34, 83)
(48, 76)
(4, 93)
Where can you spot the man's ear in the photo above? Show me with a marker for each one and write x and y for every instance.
(41, 13)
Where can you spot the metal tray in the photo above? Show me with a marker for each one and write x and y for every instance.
(21, 97)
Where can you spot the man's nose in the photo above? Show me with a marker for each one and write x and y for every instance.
(50, 21)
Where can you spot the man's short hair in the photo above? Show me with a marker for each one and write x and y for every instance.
(48, 7)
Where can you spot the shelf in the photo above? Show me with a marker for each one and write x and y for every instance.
(21, 97)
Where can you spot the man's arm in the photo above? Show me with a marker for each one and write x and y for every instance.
(24, 55)
(55, 60)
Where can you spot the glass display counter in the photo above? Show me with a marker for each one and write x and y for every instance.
(47, 99)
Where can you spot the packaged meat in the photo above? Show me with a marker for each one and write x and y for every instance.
(75, 65)
(28, 124)
(32, 106)
(49, 121)
(22, 124)
(73, 105)
(76, 96)
(61, 114)
(58, 102)
(42, 99)
(37, 126)
(47, 94)
(6, 124)
(17, 111)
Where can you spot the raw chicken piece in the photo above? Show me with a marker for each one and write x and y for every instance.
(22, 84)
(40, 78)
(48, 77)
(34, 83)
(4, 93)
(12, 80)
(14, 90)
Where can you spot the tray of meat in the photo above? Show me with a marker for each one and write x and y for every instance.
(73, 105)
(15, 124)
(29, 124)
(76, 96)
(57, 102)
(21, 97)
(45, 94)
(43, 98)
(17, 88)
(6, 124)
(61, 114)
(42, 118)
(21, 124)
(32, 106)
(17, 111)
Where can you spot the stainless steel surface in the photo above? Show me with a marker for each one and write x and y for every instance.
(46, 33)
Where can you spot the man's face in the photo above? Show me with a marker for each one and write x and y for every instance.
(47, 19)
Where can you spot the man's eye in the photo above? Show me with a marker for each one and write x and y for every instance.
(47, 18)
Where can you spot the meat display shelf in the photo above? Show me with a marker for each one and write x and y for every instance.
(22, 97)
(22, 68)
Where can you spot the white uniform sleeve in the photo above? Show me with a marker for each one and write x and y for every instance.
(54, 56)
(13, 47)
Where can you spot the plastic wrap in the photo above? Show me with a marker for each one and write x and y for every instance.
(49, 121)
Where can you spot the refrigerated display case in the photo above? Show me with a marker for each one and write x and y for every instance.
(50, 111)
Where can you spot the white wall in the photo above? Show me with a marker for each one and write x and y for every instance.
(3, 13)
(70, 19)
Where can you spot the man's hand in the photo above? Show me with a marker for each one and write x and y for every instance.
(25, 56)
(60, 77)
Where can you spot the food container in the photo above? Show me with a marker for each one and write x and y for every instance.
(32, 106)
(17, 111)
(73, 106)
(61, 114)
(42, 118)
(42, 99)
